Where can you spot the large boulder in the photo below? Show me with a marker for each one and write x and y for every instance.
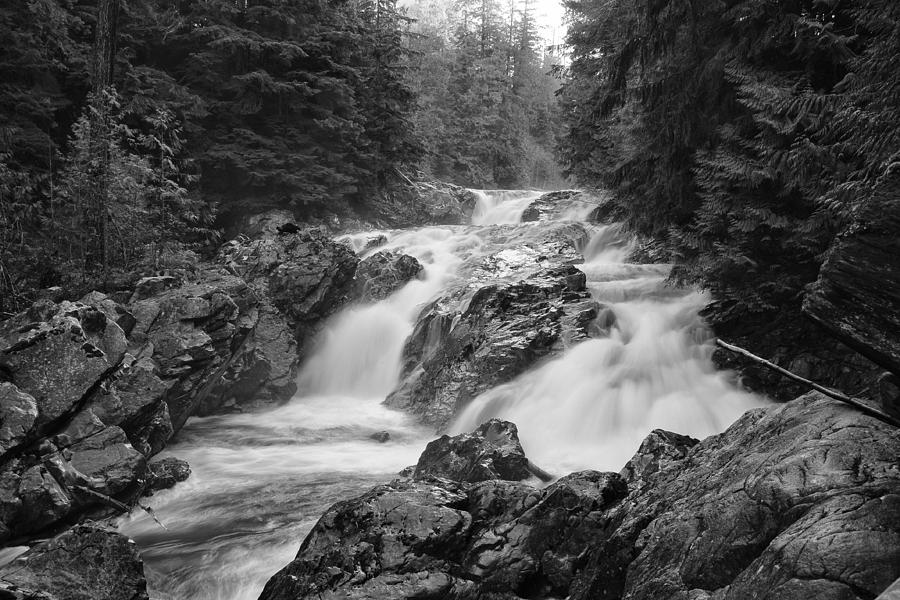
(383, 273)
(492, 451)
(795, 501)
(792, 502)
(442, 539)
(306, 275)
(85, 563)
(422, 203)
(57, 354)
(451, 357)
(576, 205)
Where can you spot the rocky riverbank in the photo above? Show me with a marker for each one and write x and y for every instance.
(794, 501)
(800, 500)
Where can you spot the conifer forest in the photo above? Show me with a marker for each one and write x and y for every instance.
(450, 299)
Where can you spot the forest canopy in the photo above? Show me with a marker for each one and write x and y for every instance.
(742, 135)
(129, 131)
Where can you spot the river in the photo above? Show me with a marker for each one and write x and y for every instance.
(260, 481)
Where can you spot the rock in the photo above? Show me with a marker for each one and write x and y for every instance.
(108, 461)
(506, 328)
(792, 502)
(42, 501)
(18, 412)
(307, 276)
(795, 501)
(857, 296)
(382, 437)
(892, 593)
(375, 241)
(659, 450)
(165, 473)
(574, 205)
(135, 401)
(383, 273)
(85, 563)
(153, 286)
(423, 203)
(315, 279)
(442, 539)
(490, 452)
(60, 359)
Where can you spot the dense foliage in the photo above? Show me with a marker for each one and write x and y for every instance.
(214, 106)
(487, 112)
(744, 134)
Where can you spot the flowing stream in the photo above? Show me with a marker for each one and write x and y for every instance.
(260, 481)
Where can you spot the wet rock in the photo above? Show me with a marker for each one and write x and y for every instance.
(134, 400)
(443, 539)
(383, 273)
(452, 357)
(40, 499)
(382, 437)
(792, 502)
(167, 472)
(108, 461)
(423, 203)
(490, 452)
(659, 450)
(18, 412)
(892, 593)
(84, 563)
(575, 205)
(60, 359)
(375, 241)
(796, 501)
(308, 276)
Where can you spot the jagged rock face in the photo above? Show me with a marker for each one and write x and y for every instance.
(506, 328)
(84, 563)
(492, 451)
(442, 539)
(307, 276)
(857, 295)
(793, 502)
(165, 473)
(572, 204)
(57, 354)
(797, 501)
(383, 273)
(423, 203)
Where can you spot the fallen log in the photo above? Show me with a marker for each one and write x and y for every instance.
(872, 412)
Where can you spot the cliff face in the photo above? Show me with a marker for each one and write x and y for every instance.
(857, 296)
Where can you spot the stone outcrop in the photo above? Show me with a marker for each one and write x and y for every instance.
(857, 295)
(492, 451)
(306, 277)
(423, 203)
(91, 390)
(794, 501)
(593, 207)
(505, 329)
(383, 273)
(85, 563)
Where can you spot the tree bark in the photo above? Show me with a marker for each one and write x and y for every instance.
(104, 62)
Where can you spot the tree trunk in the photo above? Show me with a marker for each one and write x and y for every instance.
(104, 60)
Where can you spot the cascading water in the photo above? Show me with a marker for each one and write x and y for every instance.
(260, 481)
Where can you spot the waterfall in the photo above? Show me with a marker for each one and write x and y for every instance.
(261, 480)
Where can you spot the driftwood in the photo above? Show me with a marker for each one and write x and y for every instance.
(120, 506)
(872, 412)
(539, 472)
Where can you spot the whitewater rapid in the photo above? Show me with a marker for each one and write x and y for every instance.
(260, 481)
